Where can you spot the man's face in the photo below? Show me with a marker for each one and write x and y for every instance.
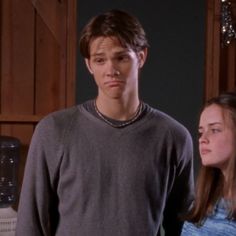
(115, 68)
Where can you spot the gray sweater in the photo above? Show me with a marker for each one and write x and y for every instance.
(86, 178)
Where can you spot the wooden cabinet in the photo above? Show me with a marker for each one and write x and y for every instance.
(37, 64)
(220, 70)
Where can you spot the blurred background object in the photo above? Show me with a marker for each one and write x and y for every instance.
(9, 159)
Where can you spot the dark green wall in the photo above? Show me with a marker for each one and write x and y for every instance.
(173, 77)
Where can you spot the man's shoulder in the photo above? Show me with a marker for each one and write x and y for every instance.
(61, 115)
(62, 118)
(59, 124)
(167, 122)
(164, 118)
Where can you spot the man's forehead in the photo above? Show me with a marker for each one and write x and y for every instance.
(103, 43)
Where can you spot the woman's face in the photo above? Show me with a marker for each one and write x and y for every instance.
(217, 138)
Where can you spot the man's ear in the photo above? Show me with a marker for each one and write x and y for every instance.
(88, 65)
(142, 55)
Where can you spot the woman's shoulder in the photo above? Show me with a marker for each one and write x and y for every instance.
(216, 224)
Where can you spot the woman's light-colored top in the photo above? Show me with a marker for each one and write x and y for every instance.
(216, 224)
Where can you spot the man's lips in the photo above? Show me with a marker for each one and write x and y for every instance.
(114, 83)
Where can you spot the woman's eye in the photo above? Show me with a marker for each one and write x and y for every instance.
(215, 130)
(199, 134)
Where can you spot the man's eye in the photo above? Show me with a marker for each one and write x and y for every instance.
(123, 58)
(99, 60)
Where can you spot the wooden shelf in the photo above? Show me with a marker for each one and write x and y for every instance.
(20, 118)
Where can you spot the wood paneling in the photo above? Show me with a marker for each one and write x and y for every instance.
(37, 64)
(220, 70)
(212, 48)
(49, 76)
(38, 48)
(17, 65)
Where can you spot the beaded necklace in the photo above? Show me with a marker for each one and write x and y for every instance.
(123, 124)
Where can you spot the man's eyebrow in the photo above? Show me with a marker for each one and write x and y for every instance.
(123, 51)
(97, 54)
(116, 53)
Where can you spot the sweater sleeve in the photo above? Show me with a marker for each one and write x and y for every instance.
(38, 193)
(181, 189)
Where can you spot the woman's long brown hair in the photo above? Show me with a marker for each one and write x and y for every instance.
(211, 185)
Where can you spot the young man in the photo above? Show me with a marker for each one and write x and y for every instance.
(113, 165)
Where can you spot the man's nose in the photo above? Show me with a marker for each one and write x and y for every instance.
(112, 69)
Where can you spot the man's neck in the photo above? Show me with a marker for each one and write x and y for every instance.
(118, 109)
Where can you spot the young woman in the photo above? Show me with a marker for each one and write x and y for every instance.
(214, 209)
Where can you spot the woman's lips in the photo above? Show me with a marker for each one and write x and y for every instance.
(204, 151)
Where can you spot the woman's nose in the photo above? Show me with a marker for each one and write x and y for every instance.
(203, 138)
